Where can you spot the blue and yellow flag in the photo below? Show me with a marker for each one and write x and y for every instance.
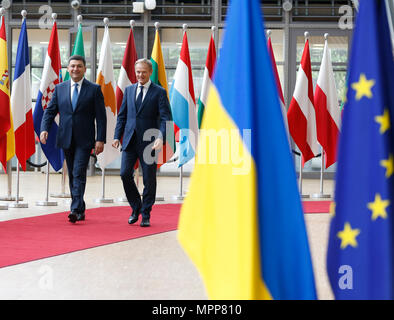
(242, 222)
(360, 251)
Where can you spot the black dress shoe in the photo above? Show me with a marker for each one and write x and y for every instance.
(145, 223)
(81, 217)
(133, 218)
(73, 216)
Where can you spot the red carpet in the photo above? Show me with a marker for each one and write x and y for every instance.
(316, 206)
(28, 239)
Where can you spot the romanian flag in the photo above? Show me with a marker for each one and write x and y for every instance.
(242, 222)
(360, 252)
(159, 77)
(7, 138)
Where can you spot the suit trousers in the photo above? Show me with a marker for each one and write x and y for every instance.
(77, 159)
(130, 155)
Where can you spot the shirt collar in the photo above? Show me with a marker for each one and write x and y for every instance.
(79, 82)
(146, 85)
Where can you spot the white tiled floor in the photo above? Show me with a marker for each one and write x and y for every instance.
(153, 267)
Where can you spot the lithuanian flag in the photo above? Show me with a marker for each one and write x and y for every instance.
(242, 222)
(159, 77)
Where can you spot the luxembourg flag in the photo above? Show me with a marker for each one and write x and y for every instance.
(183, 106)
(21, 102)
(51, 76)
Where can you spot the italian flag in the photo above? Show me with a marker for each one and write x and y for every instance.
(159, 77)
(207, 80)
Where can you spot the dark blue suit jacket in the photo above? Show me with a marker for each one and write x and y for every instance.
(78, 125)
(153, 114)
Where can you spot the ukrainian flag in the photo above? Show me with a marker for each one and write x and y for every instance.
(242, 222)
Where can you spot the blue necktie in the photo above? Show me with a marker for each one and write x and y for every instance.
(138, 102)
(75, 96)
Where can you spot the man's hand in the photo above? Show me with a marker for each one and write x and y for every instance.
(158, 144)
(116, 143)
(99, 147)
(44, 137)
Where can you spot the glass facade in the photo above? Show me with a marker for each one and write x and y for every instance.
(287, 29)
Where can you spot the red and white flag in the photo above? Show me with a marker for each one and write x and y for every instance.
(127, 72)
(21, 104)
(328, 113)
(301, 115)
(278, 85)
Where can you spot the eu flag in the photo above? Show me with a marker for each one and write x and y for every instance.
(360, 250)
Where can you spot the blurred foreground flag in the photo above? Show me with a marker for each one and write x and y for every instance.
(360, 250)
(242, 222)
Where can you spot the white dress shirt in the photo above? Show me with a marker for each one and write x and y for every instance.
(146, 88)
(73, 87)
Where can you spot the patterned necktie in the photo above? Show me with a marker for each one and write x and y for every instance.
(138, 102)
(75, 96)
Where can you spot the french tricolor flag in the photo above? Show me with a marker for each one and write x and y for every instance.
(21, 102)
(51, 76)
(183, 106)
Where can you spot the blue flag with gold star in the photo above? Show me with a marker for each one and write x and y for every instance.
(360, 249)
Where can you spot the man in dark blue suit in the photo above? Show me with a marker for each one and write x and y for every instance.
(142, 124)
(79, 103)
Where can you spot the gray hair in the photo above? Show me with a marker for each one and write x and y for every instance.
(145, 61)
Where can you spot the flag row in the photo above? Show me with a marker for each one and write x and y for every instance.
(311, 119)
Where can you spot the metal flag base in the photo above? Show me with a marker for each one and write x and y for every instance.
(3, 206)
(178, 197)
(121, 200)
(303, 196)
(104, 200)
(159, 198)
(321, 196)
(46, 203)
(18, 205)
(10, 198)
(60, 195)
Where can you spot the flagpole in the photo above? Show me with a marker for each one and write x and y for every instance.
(9, 196)
(46, 202)
(300, 180)
(17, 204)
(321, 194)
(103, 199)
(136, 173)
(181, 196)
(158, 198)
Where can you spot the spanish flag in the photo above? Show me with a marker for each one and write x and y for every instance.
(242, 222)
(7, 137)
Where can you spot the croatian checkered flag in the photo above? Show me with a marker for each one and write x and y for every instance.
(51, 76)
